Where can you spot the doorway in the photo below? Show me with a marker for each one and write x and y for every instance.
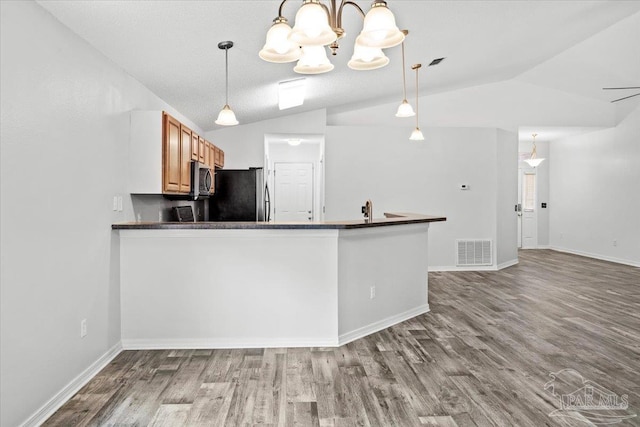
(294, 165)
(527, 212)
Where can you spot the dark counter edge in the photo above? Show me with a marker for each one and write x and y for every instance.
(391, 219)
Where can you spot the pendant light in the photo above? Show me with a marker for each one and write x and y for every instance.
(312, 26)
(278, 48)
(404, 109)
(417, 135)
(534, 161)
(313, 61)
(226, 117)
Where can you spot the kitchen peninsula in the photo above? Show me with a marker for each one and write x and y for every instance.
(260, 284)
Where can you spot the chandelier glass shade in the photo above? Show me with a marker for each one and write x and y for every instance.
(367, 58)
(319, 25)
(278, 48)
(313, 61)
(380, 28)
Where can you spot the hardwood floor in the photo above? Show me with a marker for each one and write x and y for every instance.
(481, 357)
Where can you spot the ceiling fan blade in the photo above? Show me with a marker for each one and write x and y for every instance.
(626, 97)
(618, 88)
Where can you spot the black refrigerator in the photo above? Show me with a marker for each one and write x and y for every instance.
(240, 195)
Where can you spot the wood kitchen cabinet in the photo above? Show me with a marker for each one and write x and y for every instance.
(171, 153)
(202, 150)
(160, 153)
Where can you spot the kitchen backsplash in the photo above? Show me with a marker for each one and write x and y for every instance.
(152, 207)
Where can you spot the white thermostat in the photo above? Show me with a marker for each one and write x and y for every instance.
(464, 186)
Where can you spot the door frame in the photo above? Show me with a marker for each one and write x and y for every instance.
(274, 140)
(521, 172)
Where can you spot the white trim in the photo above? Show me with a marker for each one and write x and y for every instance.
(595, 256)
(381, 324)
(60, 398)
(543, 247)
(224, 343)
(463, 268)
(507, 264)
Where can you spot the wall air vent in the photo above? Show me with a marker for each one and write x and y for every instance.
(473, 252)
(436, 61)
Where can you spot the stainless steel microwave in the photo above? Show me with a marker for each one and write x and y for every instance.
(201, 180)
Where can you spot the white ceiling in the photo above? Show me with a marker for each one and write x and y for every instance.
(171, 47)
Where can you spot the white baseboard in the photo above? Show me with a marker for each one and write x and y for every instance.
(42, 414)
(223, 343)
(507, 264)
(596, 256)
(382, 324)
(543, 247)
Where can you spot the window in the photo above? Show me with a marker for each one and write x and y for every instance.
(529, 192)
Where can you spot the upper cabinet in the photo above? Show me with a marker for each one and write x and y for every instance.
(160, 153)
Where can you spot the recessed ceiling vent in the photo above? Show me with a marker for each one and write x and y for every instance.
(473, 252)
(436, 61)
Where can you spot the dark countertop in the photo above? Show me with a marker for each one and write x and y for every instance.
(390, 219)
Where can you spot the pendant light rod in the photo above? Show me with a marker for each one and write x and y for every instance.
(226, 45)
(404, 70)
(417, 67)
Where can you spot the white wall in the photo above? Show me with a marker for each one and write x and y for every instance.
(507, 197)
(65, 120)
(594, 192)
(398, 175)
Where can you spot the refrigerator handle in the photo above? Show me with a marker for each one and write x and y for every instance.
(267, 202)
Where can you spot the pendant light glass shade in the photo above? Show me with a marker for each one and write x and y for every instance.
(226, 117)
(405, 110)
(367, 58)
(313, 61)
(416, 135)
(534, 161)
(380, 28)
(312, 26)
(278, 48)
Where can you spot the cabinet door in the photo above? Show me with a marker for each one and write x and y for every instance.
(216, 156)
(202, 150)
(194, 146)
(212, 166)
(221, 164)
(185, 159)
(171, 155)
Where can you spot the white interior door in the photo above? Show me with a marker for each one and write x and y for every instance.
(293, 193)
(529, 218)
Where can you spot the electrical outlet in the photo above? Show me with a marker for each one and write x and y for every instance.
(372, 292)
(83, 328)
(119, 203)
(115, 203)
(615, 242)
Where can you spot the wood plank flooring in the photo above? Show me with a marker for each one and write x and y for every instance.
(481, 357)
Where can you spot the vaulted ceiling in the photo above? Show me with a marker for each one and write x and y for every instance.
(171, 47)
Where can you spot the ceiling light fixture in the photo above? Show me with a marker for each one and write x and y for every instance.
(226, 117)
(294, 142)
(417, 135)
(318, 25)
(404, 109)
(534, 161)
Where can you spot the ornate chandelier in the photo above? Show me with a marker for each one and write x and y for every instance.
(318, 25)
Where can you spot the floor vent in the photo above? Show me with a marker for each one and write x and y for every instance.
(473, 252)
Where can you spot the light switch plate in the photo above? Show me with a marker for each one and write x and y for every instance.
(115, 203)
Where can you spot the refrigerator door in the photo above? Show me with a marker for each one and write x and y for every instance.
(239, 195)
